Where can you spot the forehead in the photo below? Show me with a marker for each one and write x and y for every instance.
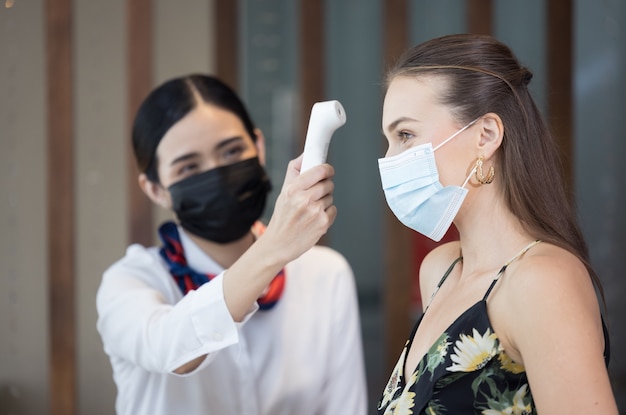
(204, 126)
(410, 96)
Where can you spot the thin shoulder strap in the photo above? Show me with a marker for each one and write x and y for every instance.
(450, 268)
(493, 283)
(504, 267)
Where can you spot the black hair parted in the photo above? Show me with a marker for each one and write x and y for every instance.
(172, 101)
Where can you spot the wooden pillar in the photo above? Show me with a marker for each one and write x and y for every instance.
(227, 41)
(479, 17)
(312, 66)
(139, 83)
(560, 63)
(398, 244)
(61, 231)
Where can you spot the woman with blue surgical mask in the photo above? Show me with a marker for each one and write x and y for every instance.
(511, 321)
(414, 193)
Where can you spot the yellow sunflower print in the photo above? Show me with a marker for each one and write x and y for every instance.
(473, 352)
(519, 406)
(508, 364)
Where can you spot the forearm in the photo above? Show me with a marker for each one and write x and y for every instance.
(247, 278)
(190, 366)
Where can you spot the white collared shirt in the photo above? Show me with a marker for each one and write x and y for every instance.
(304, 356)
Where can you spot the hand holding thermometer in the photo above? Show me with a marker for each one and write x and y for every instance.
(326, 117)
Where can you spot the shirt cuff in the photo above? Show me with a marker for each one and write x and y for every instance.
(212, 321)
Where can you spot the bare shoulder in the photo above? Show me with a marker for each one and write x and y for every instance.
(547, 309)
(549, 294)
(549, 277)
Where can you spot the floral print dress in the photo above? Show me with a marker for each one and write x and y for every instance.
(466, 371)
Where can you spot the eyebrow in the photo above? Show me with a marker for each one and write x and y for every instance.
(184, 157)
(395, 123)
(228, 141)
(195, 154)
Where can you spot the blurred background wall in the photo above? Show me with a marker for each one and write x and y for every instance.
(73, 71)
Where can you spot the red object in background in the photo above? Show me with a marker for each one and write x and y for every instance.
(421, 246)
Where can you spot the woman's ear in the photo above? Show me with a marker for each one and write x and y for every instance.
(155, 191)
(491, 134)
(260, 145)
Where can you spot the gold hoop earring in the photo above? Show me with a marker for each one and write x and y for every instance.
(479, 172)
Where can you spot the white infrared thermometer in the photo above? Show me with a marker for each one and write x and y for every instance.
(326, 117)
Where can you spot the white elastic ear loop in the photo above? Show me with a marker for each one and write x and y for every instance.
(468, 177)
(455, 134)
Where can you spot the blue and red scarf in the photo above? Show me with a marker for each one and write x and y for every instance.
(188, 279)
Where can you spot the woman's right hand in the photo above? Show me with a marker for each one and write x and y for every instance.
(304, 209)
(303, 212)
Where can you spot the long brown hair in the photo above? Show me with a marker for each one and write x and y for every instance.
(484, 76)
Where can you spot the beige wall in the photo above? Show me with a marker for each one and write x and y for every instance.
(23, 279)
(181, 46)
(182, 43)
(100, 181)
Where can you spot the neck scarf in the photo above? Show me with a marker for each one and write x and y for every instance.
(188, 279)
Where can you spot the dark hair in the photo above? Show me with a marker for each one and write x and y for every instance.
(172, 101)
(484, 76)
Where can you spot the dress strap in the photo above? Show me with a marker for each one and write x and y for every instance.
(505, 266)
(449, 270)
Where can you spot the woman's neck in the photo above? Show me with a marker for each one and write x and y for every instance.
(224, 254)
(490, 234)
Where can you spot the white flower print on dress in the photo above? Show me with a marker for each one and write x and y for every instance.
(473, 352)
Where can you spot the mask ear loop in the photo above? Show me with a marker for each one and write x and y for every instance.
(450, 138)
(469, 177)
(455, 134)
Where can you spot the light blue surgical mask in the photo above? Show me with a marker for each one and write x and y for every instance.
(414, 194)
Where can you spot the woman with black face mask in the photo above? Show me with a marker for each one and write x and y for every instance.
(228, 316)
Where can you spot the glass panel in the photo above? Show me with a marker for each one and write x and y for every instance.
(511, 26)
(600, 100)
(268, 76)
(353, 59)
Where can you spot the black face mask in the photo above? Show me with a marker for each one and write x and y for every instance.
(222, 204)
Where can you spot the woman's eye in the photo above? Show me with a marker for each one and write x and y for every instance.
(233, 152)
(404, 136)
(188, 169)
